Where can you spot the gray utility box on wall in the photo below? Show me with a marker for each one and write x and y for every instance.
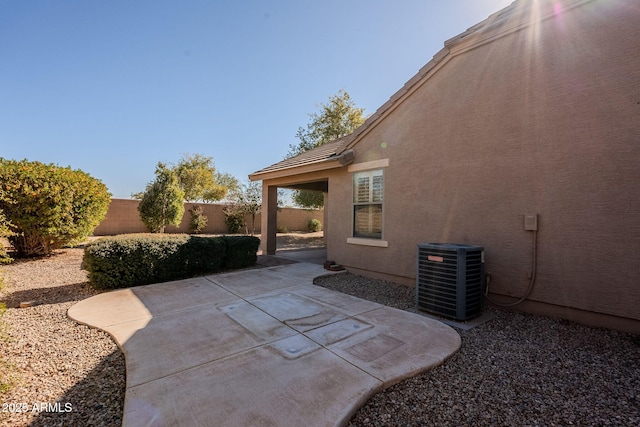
(450, 280)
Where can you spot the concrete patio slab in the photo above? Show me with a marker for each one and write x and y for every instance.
(293, 382)
(198, 336)
(297, 312)
(347, 304)
(313, 256)
(108, 309)
(259, 347)
(165, 298)
(396, 347)
(258, 282)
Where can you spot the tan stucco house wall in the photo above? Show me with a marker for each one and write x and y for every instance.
(535, 111)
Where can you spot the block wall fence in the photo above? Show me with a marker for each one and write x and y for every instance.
(123, 217)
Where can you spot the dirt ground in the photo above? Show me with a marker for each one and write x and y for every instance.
(300, 240)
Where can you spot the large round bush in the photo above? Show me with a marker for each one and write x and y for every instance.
(49, 206)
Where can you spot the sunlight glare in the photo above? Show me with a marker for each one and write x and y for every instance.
(557, 9)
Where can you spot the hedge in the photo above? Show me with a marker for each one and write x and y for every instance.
(140, 259)
(241, 252)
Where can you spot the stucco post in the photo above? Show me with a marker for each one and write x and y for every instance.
(269, 218)
(325, 217)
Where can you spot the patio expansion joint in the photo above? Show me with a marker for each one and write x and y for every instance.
(231, 291)
(174, 312)
(343, 359)
(326, 347)
(208, 362)
(226, 356)
(244, 350)
(303, 333)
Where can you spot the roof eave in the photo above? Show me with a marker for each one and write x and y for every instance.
(333, 162)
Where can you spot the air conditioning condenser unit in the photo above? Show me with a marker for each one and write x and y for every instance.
(450, 280)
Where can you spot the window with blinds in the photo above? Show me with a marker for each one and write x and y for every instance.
(368, 194)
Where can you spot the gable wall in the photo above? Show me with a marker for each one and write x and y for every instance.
(544, 121)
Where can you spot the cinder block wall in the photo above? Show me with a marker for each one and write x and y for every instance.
(123, 217)
(295, 219)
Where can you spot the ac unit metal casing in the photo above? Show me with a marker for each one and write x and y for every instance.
(450, 280)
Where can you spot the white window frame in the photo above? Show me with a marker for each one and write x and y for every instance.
(368, 169)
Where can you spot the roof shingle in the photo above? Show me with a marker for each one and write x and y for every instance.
(319, 154)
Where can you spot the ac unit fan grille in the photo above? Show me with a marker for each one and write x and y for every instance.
(450, 279)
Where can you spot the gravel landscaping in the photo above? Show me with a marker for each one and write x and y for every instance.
(63, 373)
(516, 369)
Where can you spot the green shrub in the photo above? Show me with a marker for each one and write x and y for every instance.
(48, 206)
(129, 260)
(282, 229)
(314, 225)
(202, 255)
(4, 256)
(7, 371)
(140, 259)
(234, 220)
(198, 219)
(5, 232)
(162, 202)
(241, 251)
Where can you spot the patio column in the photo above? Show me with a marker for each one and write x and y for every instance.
(269, 219)
(325, 217)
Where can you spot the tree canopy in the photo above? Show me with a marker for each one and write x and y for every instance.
(199, 180)
(246, 200)
(162, 202)
(335, 119)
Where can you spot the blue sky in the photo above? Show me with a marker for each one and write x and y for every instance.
(113, 87)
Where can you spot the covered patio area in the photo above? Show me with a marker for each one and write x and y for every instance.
(307, 171)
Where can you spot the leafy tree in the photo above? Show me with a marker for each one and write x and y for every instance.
(252, 201)
(338, 118)
(198, 219)
(199, 180)
(227, 180)
(162, 202)
(47, 207)
(308, 199)
(248, 201)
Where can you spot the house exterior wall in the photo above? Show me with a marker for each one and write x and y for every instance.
(546, 121)
(123, 217)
